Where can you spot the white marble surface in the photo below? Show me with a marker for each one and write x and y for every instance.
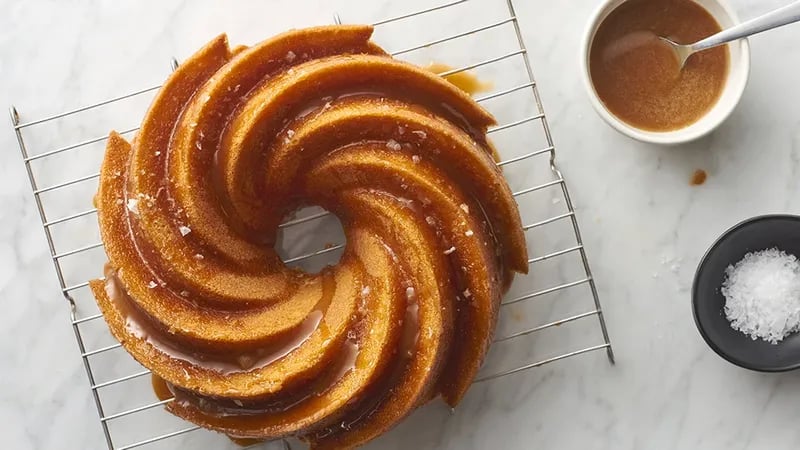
(644, 227)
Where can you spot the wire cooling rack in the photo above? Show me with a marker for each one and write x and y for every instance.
(559, 291)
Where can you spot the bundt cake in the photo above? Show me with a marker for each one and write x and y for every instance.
(234, 142)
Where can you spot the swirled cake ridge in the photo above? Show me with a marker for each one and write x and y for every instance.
(234, 142)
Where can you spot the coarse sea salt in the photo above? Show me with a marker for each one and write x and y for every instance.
(393, 145)
(762, 295)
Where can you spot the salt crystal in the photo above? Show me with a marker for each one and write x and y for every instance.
(236, 88)
(158, 152)
(290, 71)
(184, 230)
(184, 293)
(290, 56)
(416, 159)
(421, 134)
(465, 208)
(365, 291)
(147, 198)
(410, 293)
(467, 293)
(392, 144)
(762, 295)
(431, 221)
(133, 205)
(468, 233)
(290, 133)
(198, 256)
(119, 201)
(152, 284)
(449, 250)
(198, 145)
(239, 403)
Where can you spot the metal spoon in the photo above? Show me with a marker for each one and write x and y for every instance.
(778, 18)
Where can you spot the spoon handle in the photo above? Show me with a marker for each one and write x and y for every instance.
(781, 16)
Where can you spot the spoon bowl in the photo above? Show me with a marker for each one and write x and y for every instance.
(682, 52)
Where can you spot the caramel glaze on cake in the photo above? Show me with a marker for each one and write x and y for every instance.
(234, 142)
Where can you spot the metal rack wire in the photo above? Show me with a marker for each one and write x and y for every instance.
(61, 248)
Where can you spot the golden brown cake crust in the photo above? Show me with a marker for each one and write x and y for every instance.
(189, 212)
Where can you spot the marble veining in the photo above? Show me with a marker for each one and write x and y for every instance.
(644, 227)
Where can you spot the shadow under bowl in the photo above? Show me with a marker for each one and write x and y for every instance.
(708, 303)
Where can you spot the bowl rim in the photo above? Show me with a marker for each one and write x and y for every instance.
(695, 286)
(673, 137)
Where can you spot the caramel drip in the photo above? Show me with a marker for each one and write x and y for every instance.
(235, 408)
(466, 81)
(698, 177)
(245, 442)
(231, 362)
(160, 388)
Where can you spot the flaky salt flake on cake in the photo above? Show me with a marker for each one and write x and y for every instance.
(762, 295)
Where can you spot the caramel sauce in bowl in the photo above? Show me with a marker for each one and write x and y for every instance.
(634, 82)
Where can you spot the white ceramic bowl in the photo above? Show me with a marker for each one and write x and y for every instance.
(738, 72)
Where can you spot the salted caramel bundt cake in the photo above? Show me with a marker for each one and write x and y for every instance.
(235, 142)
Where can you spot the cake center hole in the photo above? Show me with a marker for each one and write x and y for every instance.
(310, 239)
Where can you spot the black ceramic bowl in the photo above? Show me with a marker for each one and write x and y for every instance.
(758, 233)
